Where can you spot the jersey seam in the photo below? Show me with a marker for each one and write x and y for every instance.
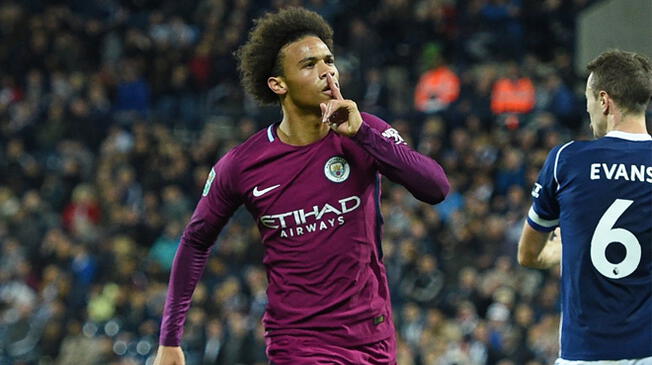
(557, 162)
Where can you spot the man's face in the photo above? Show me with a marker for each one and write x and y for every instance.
(594, 108)
(306, 63)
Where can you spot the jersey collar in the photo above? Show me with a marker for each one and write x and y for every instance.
(630, 136)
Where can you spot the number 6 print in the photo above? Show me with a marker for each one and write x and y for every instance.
(605, 234)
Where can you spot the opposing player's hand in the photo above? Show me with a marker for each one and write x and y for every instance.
(169, 355)
(342, 115)
(555, 237)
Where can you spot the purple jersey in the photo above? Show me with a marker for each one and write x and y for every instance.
(318, 211)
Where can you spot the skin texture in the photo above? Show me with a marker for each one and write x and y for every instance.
(598, 109)
(606, 115)
(309, 94)
(169, 355)
(539, 250)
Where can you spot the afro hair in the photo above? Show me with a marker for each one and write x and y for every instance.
(259, 58)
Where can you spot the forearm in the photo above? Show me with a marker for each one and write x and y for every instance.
(549, 256)
(220, 198)
(538, 250)
(187, 269)
(421, 175)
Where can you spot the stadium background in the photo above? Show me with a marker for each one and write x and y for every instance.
(112, 112)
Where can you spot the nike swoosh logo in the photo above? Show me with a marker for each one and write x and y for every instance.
(258, 193)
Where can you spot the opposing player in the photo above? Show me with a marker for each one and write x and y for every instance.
(600, 195)
(312, 183)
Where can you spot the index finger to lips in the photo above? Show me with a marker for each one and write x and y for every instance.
(335, 89)
(328, 111)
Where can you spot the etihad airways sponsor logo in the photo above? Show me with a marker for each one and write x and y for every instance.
(318, 218)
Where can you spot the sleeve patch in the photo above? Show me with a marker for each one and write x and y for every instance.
(536, 190)
(209, 182)
(393, 134)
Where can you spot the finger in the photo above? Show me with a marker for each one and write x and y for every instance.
(331, 107)
(335, 90)
(323, 108)
(326, 111)
(339, 114)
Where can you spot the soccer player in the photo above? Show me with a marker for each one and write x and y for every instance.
(312, 183)
(600, 195)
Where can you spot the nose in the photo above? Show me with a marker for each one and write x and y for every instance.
(327, 69)
(325, 73)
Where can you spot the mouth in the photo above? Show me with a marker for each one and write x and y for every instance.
(327, 90)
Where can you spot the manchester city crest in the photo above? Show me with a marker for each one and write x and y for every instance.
(337, 169)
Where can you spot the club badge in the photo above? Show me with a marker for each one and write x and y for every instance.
(337, 169)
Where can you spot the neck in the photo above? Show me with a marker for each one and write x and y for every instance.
(630, 123)
(301, 127)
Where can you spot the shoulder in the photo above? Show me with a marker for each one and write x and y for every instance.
(573, 150)
(566, 150)
(569, 158)
(568, 147)
(237, 157)
(252, 146)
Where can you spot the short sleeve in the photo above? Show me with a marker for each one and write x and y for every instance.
(544, 213)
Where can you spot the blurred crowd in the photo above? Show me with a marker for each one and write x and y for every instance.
(113, 111)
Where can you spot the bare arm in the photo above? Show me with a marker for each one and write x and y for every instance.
(539, 250)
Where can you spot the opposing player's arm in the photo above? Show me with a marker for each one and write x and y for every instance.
(538, 247)
(539, 250)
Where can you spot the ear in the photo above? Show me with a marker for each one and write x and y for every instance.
(277, 85)
(605, 102)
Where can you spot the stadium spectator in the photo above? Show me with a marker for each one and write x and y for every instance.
(438, 87)
(513, 93)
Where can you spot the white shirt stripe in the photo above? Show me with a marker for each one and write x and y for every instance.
(540, 221)
(557, 161)
(270, 135)
(643, 361)
(630, 136)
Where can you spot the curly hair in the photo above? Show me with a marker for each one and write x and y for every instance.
(625, 76)
(260, 57)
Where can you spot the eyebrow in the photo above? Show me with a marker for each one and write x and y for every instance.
(313, 58)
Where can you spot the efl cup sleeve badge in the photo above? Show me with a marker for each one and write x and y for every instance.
(337, 169)
(209, 182)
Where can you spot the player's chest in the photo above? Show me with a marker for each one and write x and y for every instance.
(330, 176)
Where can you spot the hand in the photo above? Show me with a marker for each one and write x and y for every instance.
(555, 237)
(341, 115)
(169, 355)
